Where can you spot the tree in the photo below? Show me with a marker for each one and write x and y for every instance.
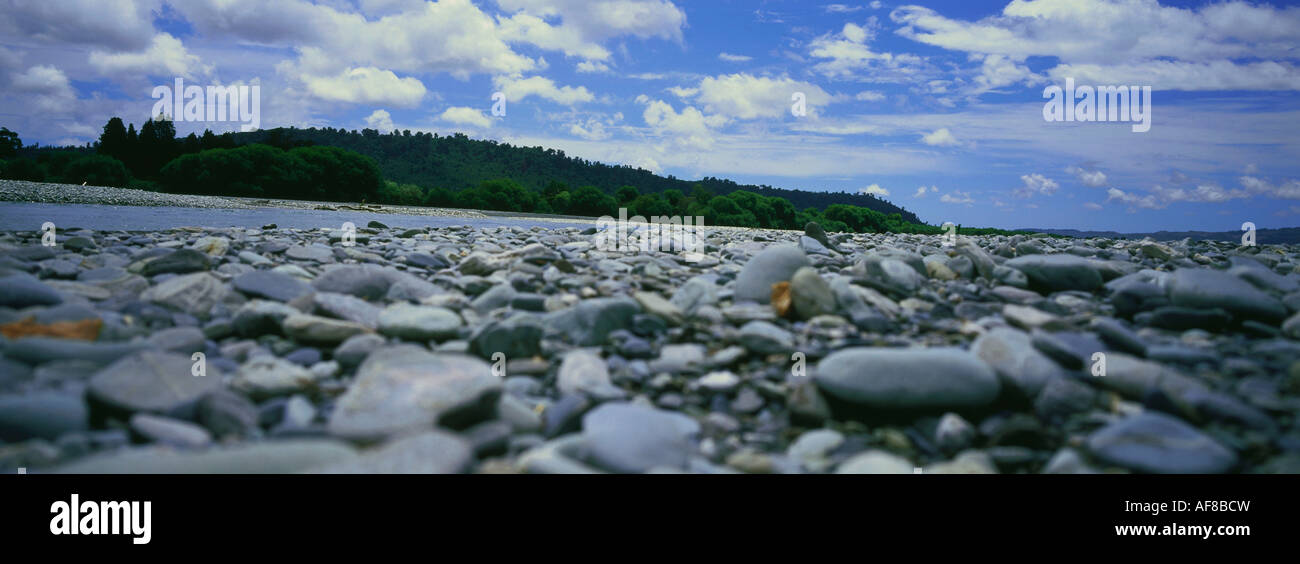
(113, 141)
(9, 143)
(589, 201)
(625, 194)
(96, 170)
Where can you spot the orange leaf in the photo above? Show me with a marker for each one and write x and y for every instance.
(781, 300)
(85, 329)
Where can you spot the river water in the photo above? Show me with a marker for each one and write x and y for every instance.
(25, 216)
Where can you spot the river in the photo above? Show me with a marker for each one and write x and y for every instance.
(24, 216)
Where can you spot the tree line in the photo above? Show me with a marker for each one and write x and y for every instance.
(282, 163)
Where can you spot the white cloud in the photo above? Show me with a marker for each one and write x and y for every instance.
(957, 197)
(591, 67)
(517, 88)
(1092, 205)
(124, 25)
(1035, 184)
(842, 9)
(465, 116)
(940, 138)
(848, 56)
(48, 88)
(366, 85)
(728, 57)
(380, 120)
(603, 19)
(744, 96)
(921, 191)
(874, 189)
(869, 96)
(689, 128)
(1088, 176)
(166, 56)
(1288, 189)
(1112, 42)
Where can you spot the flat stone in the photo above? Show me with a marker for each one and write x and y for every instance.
(271, 457)
(1160, 444)
(406, 387)
(194, 294)
(419, 323)
(1207, 289)
(41, 415)
(270, 285)
(430, 452)
(23, 290)
(168, 431)
(922, 378)
(149, 381)
(314, 329)
(631, 438)
(1058, 272)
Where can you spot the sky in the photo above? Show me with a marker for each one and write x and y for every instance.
(939, 107)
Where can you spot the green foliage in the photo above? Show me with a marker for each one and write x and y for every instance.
(24, 169)
(313, 173)
(501, 194)
(590, 201)
(402, 194)
(96, 170)
(626, 194)
(651, 205)
(9, 143)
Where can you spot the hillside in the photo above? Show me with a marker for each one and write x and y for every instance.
(457, 161)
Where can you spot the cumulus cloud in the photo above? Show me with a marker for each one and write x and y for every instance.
(1111, 41)
(166, 56)
(124, 25)
(366, 85)
(1035, 184)
(689, 128)
(869, 96)
(1088, 176)
(461, 115)
(380, 120)
(921, 191)
(47, 86)
(874, 189)
(940, 138)
(847, 55)
(517, 88)
(957, 197)
(744, 96)
(1288, 189)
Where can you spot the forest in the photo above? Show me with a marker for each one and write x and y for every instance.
(424, 169)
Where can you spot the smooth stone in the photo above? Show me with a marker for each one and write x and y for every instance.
(312, 253)
(591, 321)
(194, 294)
(1018, 364)
(405, 387)
(168, 431)
(267, 376)
(1160, 444)
(582, 371)
(922, 378)
(655, 304)
(181, 261)
(776, 263)
(696, 292)
(314, 329)
(430, 452)
(765, 338)
(518, 336)
(419, 323)
(1058, 272)
(811, 294)
(150, 381)
(261, 317)
(347, 308)
(1204, 288)
(41, 415)
(876, 462)
(184, 340)
(812, 449)
(23, 290)
(271, 457)
(270, 285)
(631, 438)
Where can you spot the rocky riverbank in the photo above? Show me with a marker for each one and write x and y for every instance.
(511, 350)
(41, 192)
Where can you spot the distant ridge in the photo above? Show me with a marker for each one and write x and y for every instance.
(1281, 236)
(457, 161)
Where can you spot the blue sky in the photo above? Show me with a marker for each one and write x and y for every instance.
(935, 106)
